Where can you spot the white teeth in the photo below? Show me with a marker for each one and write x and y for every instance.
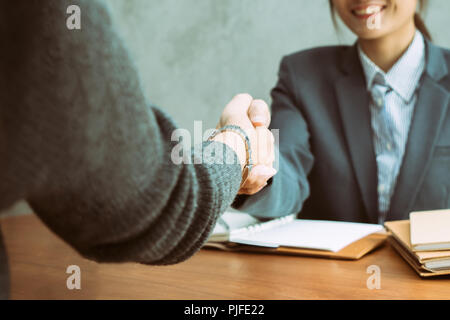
(369, 10)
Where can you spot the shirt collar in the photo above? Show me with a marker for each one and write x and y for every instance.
(405, 75)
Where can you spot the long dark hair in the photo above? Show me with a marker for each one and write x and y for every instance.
(420, 24)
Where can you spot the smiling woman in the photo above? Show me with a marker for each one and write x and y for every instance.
(366, 10)
(362, 126)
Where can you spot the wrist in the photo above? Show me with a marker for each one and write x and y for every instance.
(236, 143)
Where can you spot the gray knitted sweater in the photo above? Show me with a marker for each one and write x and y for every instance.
(80, 142)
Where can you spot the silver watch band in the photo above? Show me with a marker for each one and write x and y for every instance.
(236, 129)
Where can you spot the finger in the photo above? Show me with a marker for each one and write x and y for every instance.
(240, 102)
(251, 191)
(264, 149)
(254, 183)
(258, 176)
(259, 113)
(262, 171)
(250, 186)
(271, 150)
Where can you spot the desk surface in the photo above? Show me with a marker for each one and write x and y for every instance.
(38, 262)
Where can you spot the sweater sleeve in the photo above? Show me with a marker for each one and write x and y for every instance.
(81, 143)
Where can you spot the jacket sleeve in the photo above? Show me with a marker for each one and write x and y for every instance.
(83, 145)
(288, 189)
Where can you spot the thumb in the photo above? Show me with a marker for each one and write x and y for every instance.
(259, 114)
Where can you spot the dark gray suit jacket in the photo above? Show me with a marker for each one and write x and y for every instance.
(327, 165)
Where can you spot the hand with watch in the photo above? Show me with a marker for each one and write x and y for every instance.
(243, 126)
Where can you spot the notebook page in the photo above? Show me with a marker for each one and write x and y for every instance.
(233, 220)
(309, 234)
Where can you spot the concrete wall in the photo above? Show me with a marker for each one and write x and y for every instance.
(194, 55)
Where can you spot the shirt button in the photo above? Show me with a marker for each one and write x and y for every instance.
(389, 146)
(380, 102)
(381, 188)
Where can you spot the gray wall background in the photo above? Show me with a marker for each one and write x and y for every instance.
(195, 55)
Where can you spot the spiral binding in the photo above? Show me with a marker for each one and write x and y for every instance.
(264, 226)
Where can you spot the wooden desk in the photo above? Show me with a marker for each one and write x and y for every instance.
(38, 262)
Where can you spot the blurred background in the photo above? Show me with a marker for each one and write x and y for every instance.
(195, 55)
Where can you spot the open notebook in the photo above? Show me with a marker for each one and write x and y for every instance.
(342, 240)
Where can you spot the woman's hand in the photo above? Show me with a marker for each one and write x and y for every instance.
(253, 116)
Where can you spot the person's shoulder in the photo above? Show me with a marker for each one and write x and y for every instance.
(325, 58)
(446, 54)
(433, 48)
(445, 51)
(321, 54)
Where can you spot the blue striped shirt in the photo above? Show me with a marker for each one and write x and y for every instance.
(394, 95)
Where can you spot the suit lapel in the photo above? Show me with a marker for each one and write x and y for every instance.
(353, 101)
(427, 122)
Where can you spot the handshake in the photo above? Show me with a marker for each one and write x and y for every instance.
(253, 117)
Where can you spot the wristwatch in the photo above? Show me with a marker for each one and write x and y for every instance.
(236, 129)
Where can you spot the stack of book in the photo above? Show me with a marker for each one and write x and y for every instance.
(424, 241)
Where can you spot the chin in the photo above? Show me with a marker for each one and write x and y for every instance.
(370, 34)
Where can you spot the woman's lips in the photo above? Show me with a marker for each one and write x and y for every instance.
(365, 12)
